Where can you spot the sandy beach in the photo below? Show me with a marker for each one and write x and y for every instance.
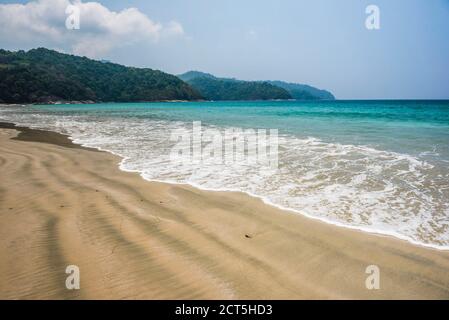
(62, 204)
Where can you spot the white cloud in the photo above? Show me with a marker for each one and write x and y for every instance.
(43, 22)
(173, 28)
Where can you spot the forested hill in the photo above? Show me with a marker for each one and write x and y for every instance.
(42, 76)
(303, 91)
(215, 88)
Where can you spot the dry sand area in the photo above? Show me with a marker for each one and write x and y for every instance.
(61, 204)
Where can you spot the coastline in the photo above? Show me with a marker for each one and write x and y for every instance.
(368, 229)
(133, 238)
(63, 102)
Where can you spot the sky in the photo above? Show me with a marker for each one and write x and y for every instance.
(324, 43)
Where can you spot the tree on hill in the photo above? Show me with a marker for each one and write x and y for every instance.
(42, 75)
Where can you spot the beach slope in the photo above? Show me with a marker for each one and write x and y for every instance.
(61, 204)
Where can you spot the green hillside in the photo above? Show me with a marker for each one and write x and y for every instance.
(303, 91)
(213, 88)
(42, 75)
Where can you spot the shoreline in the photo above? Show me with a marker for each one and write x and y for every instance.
(66, 140)
(176, 241)
(267, 202)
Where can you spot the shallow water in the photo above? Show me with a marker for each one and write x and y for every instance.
(379, 166)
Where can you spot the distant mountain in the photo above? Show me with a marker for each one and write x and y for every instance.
(190, 75)
(303, 91)
(43, 76)
(215, 88)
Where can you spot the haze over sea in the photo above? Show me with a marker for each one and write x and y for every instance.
(379, 166)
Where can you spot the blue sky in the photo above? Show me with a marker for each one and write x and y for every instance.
(321, 42)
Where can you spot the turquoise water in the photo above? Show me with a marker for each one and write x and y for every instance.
(403, 126)
(379, 166)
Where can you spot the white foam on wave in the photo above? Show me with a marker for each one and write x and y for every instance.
(351, 186)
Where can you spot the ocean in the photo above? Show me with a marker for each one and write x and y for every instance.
(376, 166)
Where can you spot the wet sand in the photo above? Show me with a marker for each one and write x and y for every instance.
(62, 204)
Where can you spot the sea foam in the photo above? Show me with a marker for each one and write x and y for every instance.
(353, 186)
